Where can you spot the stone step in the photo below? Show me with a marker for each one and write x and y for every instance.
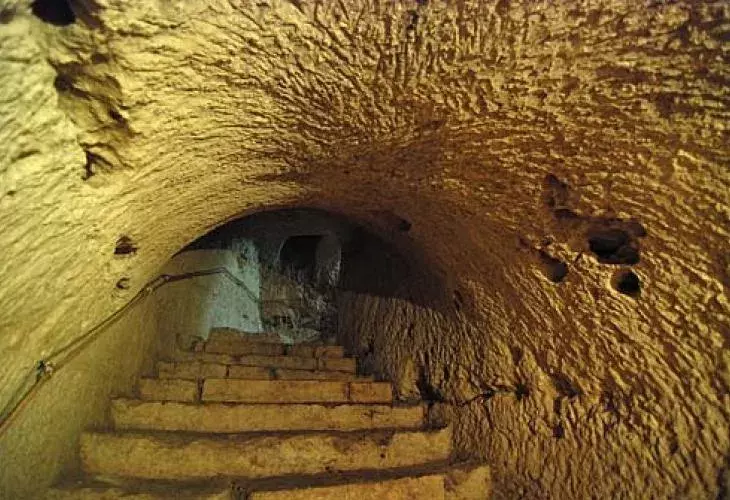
(407, 488)
(153, 389)
(130, 414)
(432, 481)
(234, 342)
(221, 390)
(287, 362)
(295, 391)
(417, 488)
(246, 347)
(231, 334)
(131, 490)
(194, 370)
(195, 456)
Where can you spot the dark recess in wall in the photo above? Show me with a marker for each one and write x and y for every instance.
(627, 282)
(55, 12)
(125, 246)
(613, 246)
(555, 269)
(6, 14)
(299, 256)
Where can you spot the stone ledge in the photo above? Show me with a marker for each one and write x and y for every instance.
(168, 389)
(175, 456)
(195, 370)
(295, 391)
(226, 418)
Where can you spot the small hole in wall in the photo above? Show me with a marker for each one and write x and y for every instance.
(123, 284)
(56, 12)
(125, 246)
(6, 15)
(521, 391)
(97, 58)
(555, 269)
(627, 283)
(63, 83)
(559, 431)
(613, 246)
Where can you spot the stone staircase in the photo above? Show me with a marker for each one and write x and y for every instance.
(248, 418)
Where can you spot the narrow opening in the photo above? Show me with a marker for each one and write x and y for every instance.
(63, 83)
(555, 270)
(627, 282)
(55, 12)
(298, 257)
(613, 246)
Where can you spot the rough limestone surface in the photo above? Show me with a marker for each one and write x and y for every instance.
(508, 135)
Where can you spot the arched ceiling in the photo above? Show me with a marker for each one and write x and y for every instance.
(506, 133)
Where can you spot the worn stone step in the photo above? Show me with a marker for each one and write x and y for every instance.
(456, 482)
(242, 347)
(281, 374)
(153, 389)
(194, 370)
(407, 488)
(316, 351)
(246, 347)
(227, 341)
(436, 480)
(229, 418)
(141, 490)
(348, 365)
(295, 391)
(225, 334)
(185, 456)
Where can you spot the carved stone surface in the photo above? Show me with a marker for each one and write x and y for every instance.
(510, 138)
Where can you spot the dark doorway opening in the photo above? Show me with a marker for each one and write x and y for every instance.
(298, 257)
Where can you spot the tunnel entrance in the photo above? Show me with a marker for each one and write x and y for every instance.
(312, 259)
(298, 256)
(285, 271)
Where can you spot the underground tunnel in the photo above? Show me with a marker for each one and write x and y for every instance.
(404, 249)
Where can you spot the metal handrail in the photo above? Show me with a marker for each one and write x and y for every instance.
(59, 358)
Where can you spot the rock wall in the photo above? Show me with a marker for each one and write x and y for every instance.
(41, 444)
(560, 166)
(545, 433)
(190, 308)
